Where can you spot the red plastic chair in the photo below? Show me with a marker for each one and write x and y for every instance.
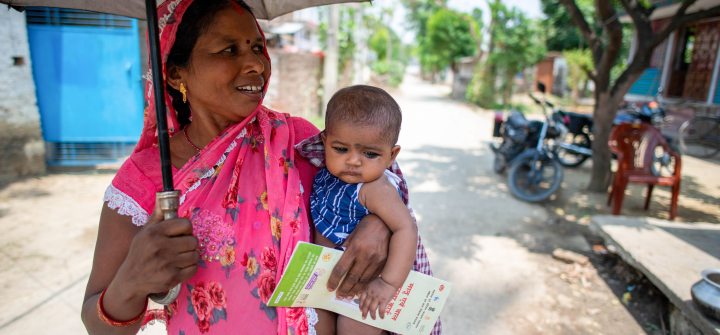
(634, 144)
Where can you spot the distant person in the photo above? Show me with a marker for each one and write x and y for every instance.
(362, 126)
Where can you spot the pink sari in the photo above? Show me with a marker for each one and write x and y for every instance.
(244, 195)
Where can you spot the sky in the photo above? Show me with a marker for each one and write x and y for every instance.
(530, 7)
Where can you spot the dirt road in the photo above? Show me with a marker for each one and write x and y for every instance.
(493, 248)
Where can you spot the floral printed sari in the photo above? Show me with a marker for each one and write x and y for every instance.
(243, 194)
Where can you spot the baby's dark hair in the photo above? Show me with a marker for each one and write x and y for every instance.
(366, 105)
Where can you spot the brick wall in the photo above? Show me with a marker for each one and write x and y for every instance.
(294, 84)
(22, 149)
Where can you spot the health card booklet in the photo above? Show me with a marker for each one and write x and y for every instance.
(414, 309)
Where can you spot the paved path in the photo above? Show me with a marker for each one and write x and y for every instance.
(493, 248)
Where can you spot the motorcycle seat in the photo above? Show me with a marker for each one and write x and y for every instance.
(573, 115)
(517, 121)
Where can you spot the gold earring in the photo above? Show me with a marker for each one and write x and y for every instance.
(183, 91)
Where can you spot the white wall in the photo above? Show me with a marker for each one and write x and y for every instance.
(22, 150)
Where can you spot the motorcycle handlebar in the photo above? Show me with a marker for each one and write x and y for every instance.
(536, 100)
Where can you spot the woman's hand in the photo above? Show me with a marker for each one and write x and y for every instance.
(162, 255)
(132, 262)
(364, 258)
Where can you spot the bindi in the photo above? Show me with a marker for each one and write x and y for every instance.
(248, 41)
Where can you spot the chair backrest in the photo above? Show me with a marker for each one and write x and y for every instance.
(635, 144)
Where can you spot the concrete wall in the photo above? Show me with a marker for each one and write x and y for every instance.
(466, 68)
(294, 84)
(22, 149)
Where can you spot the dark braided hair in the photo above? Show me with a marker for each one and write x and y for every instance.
(194, 24)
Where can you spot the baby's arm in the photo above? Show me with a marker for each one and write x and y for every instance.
(381, 198)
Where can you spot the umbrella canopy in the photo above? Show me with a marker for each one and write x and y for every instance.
(263, 9)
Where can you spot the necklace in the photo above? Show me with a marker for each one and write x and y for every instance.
(188, 140)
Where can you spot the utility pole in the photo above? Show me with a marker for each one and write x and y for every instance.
(360, 54)
(388, 13)
(388, 53)
(330, 66)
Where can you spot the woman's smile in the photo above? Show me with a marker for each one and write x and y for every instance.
(252, 90)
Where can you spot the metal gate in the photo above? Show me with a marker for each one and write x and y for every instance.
(87, 73)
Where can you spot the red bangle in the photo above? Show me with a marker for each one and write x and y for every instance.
(110, 322)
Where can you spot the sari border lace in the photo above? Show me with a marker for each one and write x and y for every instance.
(125, 205)
(312, 318)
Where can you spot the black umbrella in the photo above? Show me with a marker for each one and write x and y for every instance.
(263, 9)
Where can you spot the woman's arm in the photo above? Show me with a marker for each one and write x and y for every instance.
(132, 262)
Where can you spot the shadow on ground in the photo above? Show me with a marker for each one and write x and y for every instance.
(459, 198)
(574, 202)
(460, 181)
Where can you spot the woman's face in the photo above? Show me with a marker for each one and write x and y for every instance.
(227, 69)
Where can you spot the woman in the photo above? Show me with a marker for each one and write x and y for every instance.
(245, 193)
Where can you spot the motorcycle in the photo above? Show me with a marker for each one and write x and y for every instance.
(576, 146)
(535, 173)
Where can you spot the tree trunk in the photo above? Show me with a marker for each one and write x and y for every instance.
(575, 93)
(388, 52)
(508, 89)
(583, 93)
(603, 118)
(606, 102)
(330, 65)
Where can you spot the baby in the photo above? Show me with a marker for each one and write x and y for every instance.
(362, 125)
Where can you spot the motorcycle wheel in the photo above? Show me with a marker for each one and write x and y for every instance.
(572, 159)
(534, 181)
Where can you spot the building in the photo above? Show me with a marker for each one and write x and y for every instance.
(296, 54)
(22, 150)
(298, 31)
(686, 64)
(552, 72)
(71, 84)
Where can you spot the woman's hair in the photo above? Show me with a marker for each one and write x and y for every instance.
(195, 22)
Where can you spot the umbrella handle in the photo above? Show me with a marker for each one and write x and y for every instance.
(169, 203)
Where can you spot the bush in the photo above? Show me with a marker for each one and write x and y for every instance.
(395, 70)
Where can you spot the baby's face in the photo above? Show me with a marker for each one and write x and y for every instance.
(357, 154)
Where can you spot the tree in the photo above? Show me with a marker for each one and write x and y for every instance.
(419, 12)
(579, 65)
(518, 46)
(515, 43)
(560, 36)
(378, 42)
(345, 35)
(605, 49)
(481, 90)
(450, 36)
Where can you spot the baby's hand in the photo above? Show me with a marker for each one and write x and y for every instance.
(376, 295)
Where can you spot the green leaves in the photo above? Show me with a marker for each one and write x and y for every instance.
(449, 38)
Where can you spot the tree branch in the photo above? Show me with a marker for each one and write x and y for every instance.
(612, 50)
(638, 13)
(466, 19)
(587, 32)
(589, 72)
